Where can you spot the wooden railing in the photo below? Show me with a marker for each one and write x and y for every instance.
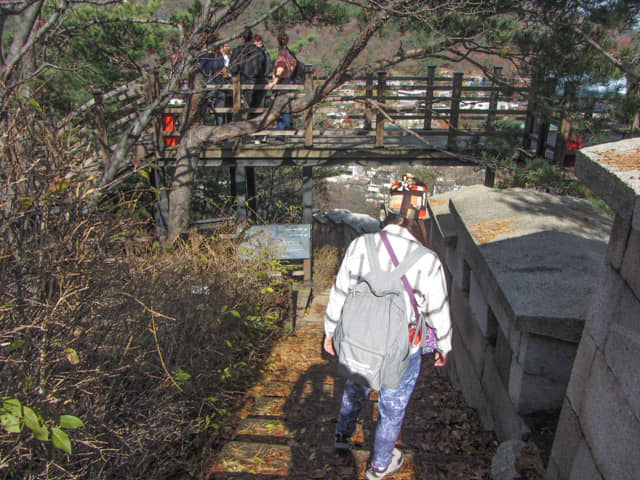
(379, 105)
(423, 104)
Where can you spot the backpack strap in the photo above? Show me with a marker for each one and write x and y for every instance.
(405, 266)
(372, 253)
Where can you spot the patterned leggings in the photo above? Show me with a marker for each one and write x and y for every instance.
(392, 404)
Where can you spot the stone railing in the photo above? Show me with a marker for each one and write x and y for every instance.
(339, 227)
(598, 433)
(522, 265)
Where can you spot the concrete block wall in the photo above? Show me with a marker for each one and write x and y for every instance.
(339, 227)
(509, 254)
(598, 433)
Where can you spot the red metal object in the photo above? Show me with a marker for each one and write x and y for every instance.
(169, 125)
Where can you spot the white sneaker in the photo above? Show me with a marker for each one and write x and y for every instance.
(397, 459)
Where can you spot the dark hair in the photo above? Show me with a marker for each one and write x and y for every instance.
(417, 227)
(247, 35)
(283, 39)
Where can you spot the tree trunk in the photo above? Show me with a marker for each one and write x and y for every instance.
(180, 195)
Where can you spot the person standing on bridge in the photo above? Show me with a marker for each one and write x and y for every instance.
(405, 232)
(285, 69)
(214, 71)
(249, 62)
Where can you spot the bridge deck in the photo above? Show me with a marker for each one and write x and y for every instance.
(337, 147)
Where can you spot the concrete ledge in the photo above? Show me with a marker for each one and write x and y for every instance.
(532, 246)
(612, 171)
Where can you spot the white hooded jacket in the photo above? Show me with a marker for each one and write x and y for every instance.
(426, 277)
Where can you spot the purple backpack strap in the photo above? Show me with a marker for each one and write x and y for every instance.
(405, 282)
(429, 341)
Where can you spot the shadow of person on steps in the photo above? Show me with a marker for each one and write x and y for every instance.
(311, 417)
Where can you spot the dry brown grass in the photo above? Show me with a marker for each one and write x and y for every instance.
(167, 340)
(325, 266)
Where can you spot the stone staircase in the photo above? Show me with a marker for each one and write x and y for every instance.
(287, 426)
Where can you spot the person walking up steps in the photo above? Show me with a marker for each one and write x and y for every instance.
(369, 257)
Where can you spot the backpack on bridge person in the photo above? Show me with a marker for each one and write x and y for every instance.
(287, 70)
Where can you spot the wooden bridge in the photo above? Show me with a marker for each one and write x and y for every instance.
(433, 120)
(378, 120)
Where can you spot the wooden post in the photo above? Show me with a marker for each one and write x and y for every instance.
(529, 123)
(368, 95)
(308, 117)
(240, 192)
(152, 88)
(454, 116)
(543, 134)
(237, 96)
(252, 199)
(307, 213)
(560, 148)
(562, 136)
(428, 96)
(493, 98)
(382, 85)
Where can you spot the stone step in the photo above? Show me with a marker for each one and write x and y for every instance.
(264, 427)
(271, 406)
(253, 460)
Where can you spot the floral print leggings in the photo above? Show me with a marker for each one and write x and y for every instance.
(392, 404)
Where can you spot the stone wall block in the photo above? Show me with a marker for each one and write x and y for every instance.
(608, 424)
(565, 444)
(546, 356)
(479, 307)
(630, 269)
(471, 335)
(508, 424)
(503, 356)
(583, 467)
(602, 309)
(604, 182)
(468, 381)
(622, 354)
(531, 393)
(581, 371)
(618, 241)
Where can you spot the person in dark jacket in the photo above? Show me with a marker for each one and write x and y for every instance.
(249, 62)
(214, 71)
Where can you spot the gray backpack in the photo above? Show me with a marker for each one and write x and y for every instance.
(372, 335)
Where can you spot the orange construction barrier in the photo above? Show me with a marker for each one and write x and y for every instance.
(169, 125)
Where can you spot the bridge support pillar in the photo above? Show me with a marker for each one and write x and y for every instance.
(240, 191)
